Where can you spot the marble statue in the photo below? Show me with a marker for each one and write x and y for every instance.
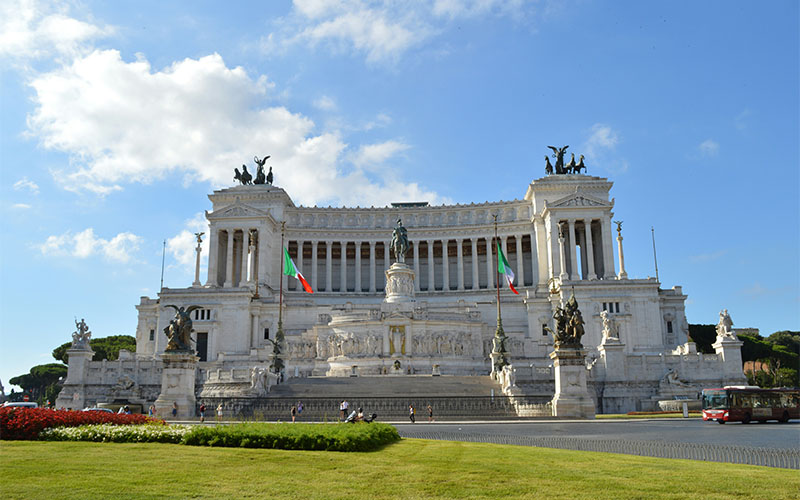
(609, 327)
(725, 325)
(399, 243)
(179, 330)
(81, 336)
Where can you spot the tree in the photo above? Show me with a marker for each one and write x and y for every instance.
(104, 348)
(42, 381)
(703, 336)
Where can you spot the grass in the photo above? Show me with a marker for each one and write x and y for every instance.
(409, 469)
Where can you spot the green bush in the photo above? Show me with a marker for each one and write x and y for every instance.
(320, 437)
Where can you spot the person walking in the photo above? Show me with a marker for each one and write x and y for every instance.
(219, 413)
(411, 414)
(202, 413)
(299, 408)
(294, 413)
(174, 409)
(430, 414)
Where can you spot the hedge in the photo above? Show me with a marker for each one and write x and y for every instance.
(27, 423)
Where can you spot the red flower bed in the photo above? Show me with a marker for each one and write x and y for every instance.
(27, 423)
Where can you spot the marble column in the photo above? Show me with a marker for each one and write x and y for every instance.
(446, 266)
(562, 275)
(534, 261)
(622, 274)
(587, 234)
(504, 246)
(372, 266)
(343, 268)
(253, 245)
(328, 266)
(357, 283)
(520, 266)
(386, 261)
(431, 282)
(213, 250)
(229, 263)
(314, 265)
(573, 251)
(489, 264)
(198, 249)
(608, 253)
(254, 330)
(460, 263)
(245, 248)
(416, 265)
(475, 281)
(297, 284)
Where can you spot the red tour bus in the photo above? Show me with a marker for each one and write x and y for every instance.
(745, 403)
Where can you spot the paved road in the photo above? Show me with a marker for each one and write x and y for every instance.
(767, 435)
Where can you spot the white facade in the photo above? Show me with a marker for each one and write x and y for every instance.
(558, 239)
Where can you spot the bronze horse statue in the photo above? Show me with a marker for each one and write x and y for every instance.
(244, 177)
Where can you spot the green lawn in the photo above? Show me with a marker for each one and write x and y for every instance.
(409, 469)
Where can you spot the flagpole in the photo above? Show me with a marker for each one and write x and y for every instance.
(277, 362)
(498, 355)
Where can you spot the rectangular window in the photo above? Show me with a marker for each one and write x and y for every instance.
(669, 326)
(544, 330)
(616, 306)
(202, 345)
(266, 333)
(152, 335)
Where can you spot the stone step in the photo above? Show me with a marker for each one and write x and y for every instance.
(387, 386)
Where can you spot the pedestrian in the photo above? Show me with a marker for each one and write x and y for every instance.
(341, 410)
(202, 413)
(411, 415)
(151, 412)
(127, 410)
(294, 413)
(219, 412)
(174, 409)
(430, 414)
(299, 407)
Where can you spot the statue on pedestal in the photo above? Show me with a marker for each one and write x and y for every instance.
(569, 325)
(179, 330)
(725, 325)
(399, 243)
(81, 336)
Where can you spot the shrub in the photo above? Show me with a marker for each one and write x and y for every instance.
(321, 437)
(27, 423)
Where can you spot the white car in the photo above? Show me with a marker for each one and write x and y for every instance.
(21, 404)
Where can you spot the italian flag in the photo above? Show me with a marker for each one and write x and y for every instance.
(289, 269)
(504, 268)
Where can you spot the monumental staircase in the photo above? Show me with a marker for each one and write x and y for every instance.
(451, 397)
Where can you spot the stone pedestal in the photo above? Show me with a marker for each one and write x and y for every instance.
(729, 350)
(612, 355)
(399, 283)
(73, 394)
(572, 398)
(177, 384)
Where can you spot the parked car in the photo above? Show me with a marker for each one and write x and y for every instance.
(21, 404)
(98, 409)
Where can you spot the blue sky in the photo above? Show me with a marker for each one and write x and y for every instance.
(120, 117)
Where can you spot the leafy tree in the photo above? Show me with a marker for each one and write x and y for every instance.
(104, 348)
(790, 340)
(755, 348)
(703, 336)
(42, 381)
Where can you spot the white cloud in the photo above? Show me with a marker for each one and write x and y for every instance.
(382, 30)
(31, 29)
(182, 246)
(708, 147)
(600, 150)
(20, 206)
(24, 183)
(325, 103)
(86, 244)
(123, 122)
(374, 155)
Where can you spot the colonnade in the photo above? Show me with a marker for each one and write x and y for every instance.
(591, 238)
(358, 266)
(234, 257)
